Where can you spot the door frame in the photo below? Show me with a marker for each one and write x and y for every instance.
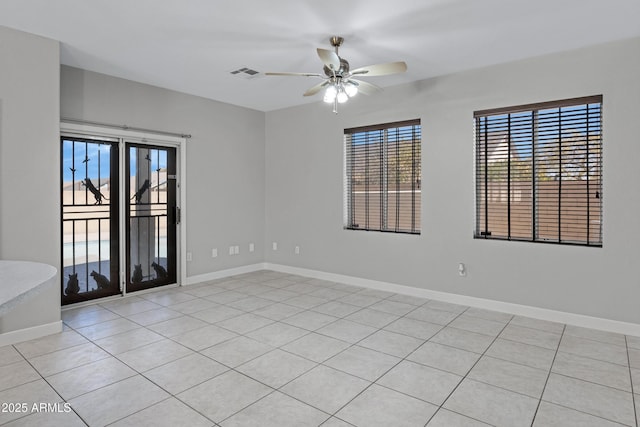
(138, 137)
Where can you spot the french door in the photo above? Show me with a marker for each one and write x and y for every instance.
(151, 216)
(90, 229)
(119, 216)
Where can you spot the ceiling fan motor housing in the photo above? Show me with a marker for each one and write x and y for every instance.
(344, 69)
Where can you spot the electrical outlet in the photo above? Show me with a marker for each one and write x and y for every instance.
(297, 250)
(214, 253)
(252, 247)
(231, 250)
(189, 256)
(236, 250)
(275, 246)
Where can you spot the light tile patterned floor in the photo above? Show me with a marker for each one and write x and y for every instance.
(272, 349)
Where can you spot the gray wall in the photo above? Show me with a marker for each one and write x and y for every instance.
(29, 165)
(304, 195)
(225, 158)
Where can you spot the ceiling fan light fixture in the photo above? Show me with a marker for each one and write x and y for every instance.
(330, 94)
(351, 89)
(342, 96)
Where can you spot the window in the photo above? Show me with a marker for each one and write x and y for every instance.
(539, 172)
(383, 177)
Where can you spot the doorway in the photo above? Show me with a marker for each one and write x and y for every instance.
(120, 215)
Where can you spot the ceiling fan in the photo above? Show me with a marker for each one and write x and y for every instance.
(338, 78)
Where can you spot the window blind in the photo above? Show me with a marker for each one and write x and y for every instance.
(539, 172)
(383, 177)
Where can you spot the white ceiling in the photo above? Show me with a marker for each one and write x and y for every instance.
(192, 45)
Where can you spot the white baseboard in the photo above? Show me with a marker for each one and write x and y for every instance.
(191, 280)
(31, 333)
(506, 307)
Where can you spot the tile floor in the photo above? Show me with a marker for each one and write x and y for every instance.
(271, 349)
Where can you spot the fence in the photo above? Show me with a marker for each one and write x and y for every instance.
(565, 210)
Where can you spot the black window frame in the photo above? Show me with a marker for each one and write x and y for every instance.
(398, 221)
(583, 117)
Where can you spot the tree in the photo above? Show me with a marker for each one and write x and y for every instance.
(575, 157)
(402, 161)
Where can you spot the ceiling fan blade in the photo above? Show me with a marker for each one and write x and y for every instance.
(366, 87)
(315, 89)
(381, 69)
(294, 74)
(329, 58)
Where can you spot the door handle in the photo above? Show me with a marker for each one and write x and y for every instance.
(176, 215)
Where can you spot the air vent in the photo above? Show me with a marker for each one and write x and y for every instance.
(245, 73)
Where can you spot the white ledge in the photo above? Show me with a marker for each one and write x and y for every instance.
(20, 280)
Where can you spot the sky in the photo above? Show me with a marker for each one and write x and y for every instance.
(573, 118)
(87, 158)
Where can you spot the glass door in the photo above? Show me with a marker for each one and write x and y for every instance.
(151, 216)
(90, 231)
